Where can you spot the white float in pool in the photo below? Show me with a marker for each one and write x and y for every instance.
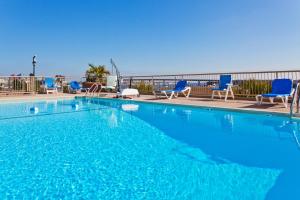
(130, 107)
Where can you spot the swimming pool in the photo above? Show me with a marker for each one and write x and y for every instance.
(116, 149)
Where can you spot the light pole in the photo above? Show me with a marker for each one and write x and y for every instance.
(33, 64)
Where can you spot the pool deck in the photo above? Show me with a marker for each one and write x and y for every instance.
(244, 105)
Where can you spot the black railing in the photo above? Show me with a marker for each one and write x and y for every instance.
(246, 84)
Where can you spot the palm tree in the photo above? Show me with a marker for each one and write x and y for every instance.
(96, 73)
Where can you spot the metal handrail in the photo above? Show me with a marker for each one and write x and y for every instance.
(114, 66)
(295, 100)
(213, 73)
(92, 90)
(247, 85)
(96, 88)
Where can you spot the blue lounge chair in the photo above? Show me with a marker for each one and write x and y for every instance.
(281, 88)
(225, 85)
(74, 87)
(181, 87)
(50, 85)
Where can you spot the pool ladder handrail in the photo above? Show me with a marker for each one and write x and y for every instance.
(295, 100)
(93, 89)
(114, 67)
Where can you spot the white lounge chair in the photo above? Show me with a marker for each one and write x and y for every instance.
(225, 85)
(128, 92)
(180, 87)
(50, 86)
(281, 88)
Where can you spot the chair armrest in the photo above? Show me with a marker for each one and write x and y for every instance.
(213, 85)
(292, 92)
(187, 88)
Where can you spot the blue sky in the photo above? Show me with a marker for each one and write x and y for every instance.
(149, 36)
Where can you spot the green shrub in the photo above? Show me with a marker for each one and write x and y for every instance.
(252, 87)
(19, 85)
(144, 88)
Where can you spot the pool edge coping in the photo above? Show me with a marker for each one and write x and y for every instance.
(25, 100)
(243, 110)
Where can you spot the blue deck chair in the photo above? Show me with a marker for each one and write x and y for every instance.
(281, 88)
(50, 85)
(225, 85)
(180, 87)
(74, 87)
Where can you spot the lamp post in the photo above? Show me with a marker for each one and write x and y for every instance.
(33, 64)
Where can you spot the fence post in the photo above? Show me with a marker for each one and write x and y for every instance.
(32, 88)
(130, 82)
(153, 85)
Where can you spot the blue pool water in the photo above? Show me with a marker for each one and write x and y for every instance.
(115, 149)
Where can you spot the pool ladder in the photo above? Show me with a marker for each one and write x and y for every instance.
(95, 89)
(295, 101)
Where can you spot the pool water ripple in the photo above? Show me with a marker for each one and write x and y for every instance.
(115, 154)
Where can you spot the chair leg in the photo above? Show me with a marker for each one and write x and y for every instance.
(154, 93)
(171, 96)
(165, 94)
(213, 94)
(226, 95)
(257, 99)
(285, 101)
(188, 94)
(231, 91)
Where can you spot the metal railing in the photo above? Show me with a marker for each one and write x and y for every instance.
(13, 85)
(18, 84)
(245, 84)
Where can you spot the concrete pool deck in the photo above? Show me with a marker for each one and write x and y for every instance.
(245, 105)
